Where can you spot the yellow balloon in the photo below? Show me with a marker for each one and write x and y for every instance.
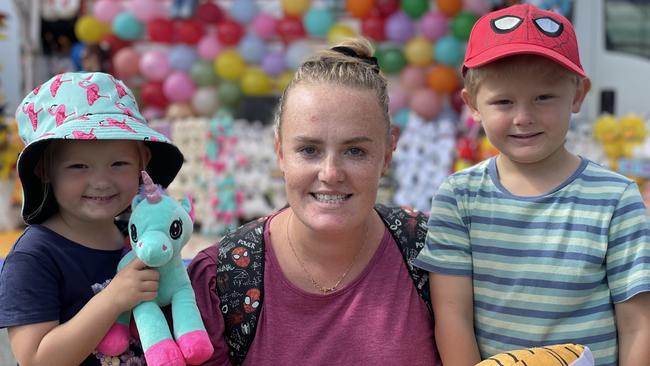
(255, 81)
(283, 80)
(229, 65)
(295, 8)
(418, 51)
(90, 30)
(338, 32)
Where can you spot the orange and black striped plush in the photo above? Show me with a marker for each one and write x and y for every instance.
(560, 355)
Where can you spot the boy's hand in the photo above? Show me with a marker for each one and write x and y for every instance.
(132, 285)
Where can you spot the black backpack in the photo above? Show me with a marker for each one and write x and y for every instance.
(240, 272)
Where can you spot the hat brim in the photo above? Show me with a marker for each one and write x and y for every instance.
(512, 49)
(166, 161)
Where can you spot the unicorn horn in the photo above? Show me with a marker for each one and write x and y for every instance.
(150, 190)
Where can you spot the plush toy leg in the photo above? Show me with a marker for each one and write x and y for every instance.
(116, 340)
(157, 343)
(189, 331)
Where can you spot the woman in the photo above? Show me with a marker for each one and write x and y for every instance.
(325, 280)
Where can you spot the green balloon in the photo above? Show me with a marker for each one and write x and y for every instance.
(461, 25)
(202, 73)
(415, 8)
(229, 92)
(391, 59)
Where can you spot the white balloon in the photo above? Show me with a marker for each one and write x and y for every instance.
(205, 101)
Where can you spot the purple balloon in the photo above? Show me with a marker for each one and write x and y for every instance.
(434, 25)
(273, 63)
(182, 57)
(399, 28)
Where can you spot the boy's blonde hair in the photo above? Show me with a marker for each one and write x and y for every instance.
(334, 67)
(505, 67)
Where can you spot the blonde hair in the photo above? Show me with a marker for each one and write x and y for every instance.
(344, 69)
(504, 67)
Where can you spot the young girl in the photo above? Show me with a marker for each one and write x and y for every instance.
(85, 144)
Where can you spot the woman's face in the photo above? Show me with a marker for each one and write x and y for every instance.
(332, 150)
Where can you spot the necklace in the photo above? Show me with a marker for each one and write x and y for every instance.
(318, 286)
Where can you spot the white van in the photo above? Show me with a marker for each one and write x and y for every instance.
(614, 41)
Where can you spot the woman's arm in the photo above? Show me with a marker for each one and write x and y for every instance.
(453, 309)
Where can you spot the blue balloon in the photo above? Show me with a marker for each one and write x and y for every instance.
(252, 49)
(243, 11)
(182, 57)
(127, 27)
(76, 54)
(297, 53)
(448, 51)
(318, 21)
(401, 118)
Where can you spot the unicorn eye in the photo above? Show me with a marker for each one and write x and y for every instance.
(134, 233)
(176, 229)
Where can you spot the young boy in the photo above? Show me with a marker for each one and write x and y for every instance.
(536, 246)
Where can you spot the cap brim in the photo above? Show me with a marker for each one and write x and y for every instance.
(512, 49)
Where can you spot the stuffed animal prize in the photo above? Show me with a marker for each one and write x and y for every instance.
(158, 228)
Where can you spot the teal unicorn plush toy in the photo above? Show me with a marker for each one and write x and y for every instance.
(158, 228)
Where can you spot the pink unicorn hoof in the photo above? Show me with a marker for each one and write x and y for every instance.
(116, 340)
(164, 353)
(196, 347)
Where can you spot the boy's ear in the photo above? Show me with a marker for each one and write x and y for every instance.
(476, 115)
(583, 88)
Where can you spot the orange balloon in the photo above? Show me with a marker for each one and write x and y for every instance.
(450, 7)
(443, 79)
(360, 8)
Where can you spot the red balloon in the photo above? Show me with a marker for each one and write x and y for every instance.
(386, 7)
(209, 13)
(190, 31)
(290, 29)
(229, 32)
(456, 100)
(373, 27)
(113, 43)
(160, 30)
(152, 95)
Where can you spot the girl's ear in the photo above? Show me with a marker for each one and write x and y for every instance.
(145, 156)
(40, 171)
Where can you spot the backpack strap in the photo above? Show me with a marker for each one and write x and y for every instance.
(240, 276)
(240, 272)
(409, 230)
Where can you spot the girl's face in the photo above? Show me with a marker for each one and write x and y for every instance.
(93, 181)
(332, 150)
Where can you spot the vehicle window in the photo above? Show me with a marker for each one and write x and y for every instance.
(627, 26)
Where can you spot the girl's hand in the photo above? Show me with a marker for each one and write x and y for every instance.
(132, 285)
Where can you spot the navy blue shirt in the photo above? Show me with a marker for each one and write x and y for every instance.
(47, 277)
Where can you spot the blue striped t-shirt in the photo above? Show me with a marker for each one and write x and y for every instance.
(545, 269)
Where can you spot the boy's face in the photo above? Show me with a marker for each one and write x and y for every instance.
(93, 181)
(526, 114)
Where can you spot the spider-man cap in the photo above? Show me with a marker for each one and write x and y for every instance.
(523, 29)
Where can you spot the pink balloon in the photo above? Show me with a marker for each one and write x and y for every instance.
(154, 65)
(478, 7)
(426, 103)
(397, 99)
(106, 10)
(434, 25)
(412, 78)
(178, 87)
(125, 63)
(145, 10)
(265, 26)
(209, 47)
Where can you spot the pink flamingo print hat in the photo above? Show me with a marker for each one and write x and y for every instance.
(83, 106)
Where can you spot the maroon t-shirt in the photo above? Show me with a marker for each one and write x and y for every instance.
(378, 319)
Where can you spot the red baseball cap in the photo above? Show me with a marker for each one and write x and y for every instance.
(523, 29)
